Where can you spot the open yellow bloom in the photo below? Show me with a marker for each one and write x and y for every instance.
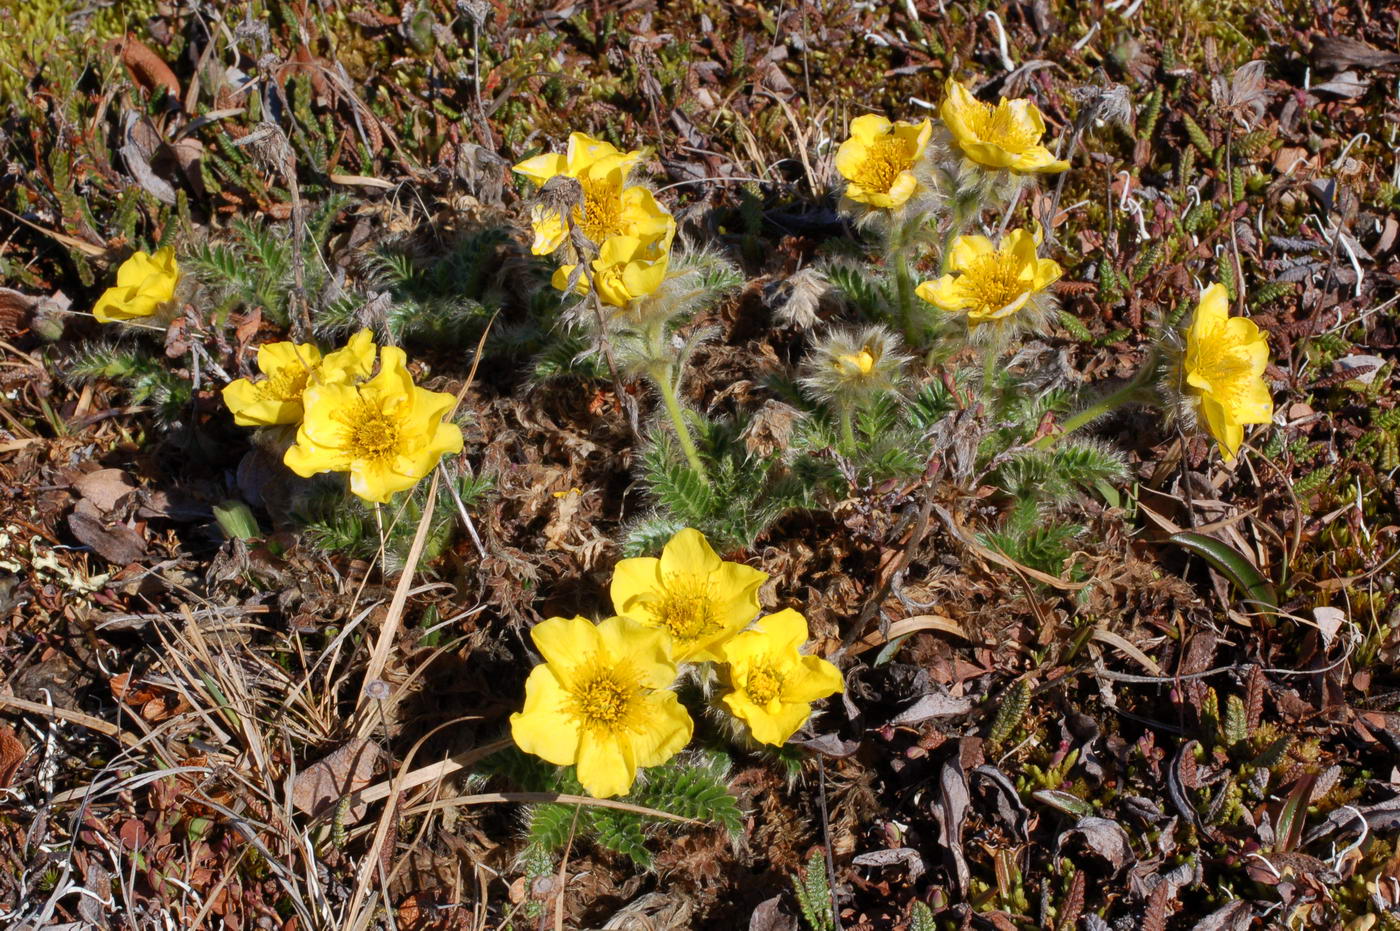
(626, 268)
(1005, 137)
(773, 684)
(601, 701)
(878, 160)
(609, 207)
(690, 593)
(144, 284)
(1224, 369)
(990, 282)
(290, 368)
(387, 433)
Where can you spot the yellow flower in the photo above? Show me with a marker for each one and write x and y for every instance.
(860, 363)
(1224, 368)
(601, 700)
(690, 593)
(144, 284)
(1005, 137)
(387, 433)
(991, 283)
(878, 160)
(609, 207)
(290, 368)
(626, 268)
(773, 683)
(848, 367)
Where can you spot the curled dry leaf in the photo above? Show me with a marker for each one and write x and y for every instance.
(322, 784)
(1103, 837)
(907, 857)
(950, 810)
(769, 916)
(116, 543)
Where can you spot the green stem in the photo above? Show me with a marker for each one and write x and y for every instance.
(904, 287)
(848, 433)
(664, 376)
(1132, 391)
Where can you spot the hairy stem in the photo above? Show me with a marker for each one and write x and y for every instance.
(664, 374)
(1135, 390)
(848, 433)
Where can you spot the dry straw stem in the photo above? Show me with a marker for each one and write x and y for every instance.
(126, 738)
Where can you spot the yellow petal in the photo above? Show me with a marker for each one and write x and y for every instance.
(989, 154)
(606, 765)
(1037, 158)
(850, 156)
(967, 250)
(868, 127)
(1212, 311)
(550, 231)
(274, 356)
(812, 678)
(1047, 272)
(1229, 435)
(1253, 403)
(322, 403)
(565, 642)
(668, 729)
(943, 293)
(786, 630)
(353, 361)
(394, 382)
(689, 554)
(306, 459)
(903, 188)
(634, 580)
(376, 482)
(544, 727)
(251, 409)
(1025, 115)
(542, 167)
(980, 314)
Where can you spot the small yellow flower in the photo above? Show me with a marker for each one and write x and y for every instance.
(290, 368)
(145, 283)
(1224, 369)
(1005, 137)
(851, 366)
(859, 363)
(879, 158)
(773, 684)
(387, 433)
(601, 700)
(690, 593)
(989, 282)
(626, 268)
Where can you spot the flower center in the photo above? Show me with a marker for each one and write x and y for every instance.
(994, 282)
(1214, 360)
(284, 384)
(373, 433)
(1000, 127)
(884, 161)
(764, 683)
(686, 608)
(601, 213)
(604, 696)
